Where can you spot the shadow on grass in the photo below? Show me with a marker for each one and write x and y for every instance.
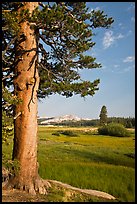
(108, 158)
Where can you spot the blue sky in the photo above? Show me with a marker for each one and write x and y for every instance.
(115, 50)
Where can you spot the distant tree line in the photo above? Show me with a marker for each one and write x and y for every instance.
(127, 122)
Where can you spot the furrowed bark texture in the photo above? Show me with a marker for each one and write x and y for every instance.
(25, 126)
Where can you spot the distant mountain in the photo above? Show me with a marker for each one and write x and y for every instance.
(60, 119)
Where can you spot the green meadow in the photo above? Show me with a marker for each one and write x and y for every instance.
(82, 158)
(88, 160)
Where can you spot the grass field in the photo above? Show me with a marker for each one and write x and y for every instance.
(87, 160)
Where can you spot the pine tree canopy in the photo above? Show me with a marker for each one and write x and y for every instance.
(44, 48)
(64, 32)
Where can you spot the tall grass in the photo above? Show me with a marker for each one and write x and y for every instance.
(89, 161)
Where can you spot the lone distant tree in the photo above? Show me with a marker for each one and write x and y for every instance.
(103, 115)
(43, 50)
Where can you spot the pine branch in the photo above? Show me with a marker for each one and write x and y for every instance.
(6, 69)
(43, 5)
(8, 45)
(5, 11)
(7, 77)
(51, 45)
(5, 28)
(69, 12)
(49, 71)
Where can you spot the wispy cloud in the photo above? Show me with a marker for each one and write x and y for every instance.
(131, 6)
(133, 19)
(122, 71)
(116, 65)
(110, 39)
(117, 68)
(119, 36)
(121, 25)
(97, 8)
(129, 32)
(129, 59)
(128, 68)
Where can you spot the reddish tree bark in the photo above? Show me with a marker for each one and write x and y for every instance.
(25, 126)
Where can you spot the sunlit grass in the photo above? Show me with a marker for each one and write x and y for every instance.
(89, 161)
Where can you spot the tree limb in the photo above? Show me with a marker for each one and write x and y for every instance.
(9, 76)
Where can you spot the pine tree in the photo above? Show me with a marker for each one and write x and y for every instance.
(103, 115)
(43, 50)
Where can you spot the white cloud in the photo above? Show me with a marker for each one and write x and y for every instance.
(116, 65)
(109, 39)
(129, 59)
(119, 36)
(129, 32)
(120, 24)
(122, 71)
(97, 8)
(117, 68)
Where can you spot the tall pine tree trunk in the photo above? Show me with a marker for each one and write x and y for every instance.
(25, 125)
